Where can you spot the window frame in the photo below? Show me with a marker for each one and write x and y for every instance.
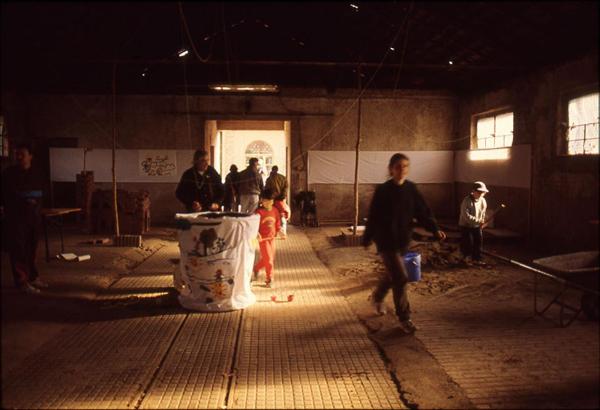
(562, 123)
(485, 114)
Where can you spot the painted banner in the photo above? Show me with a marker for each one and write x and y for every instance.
(131, 165)
(157, 163)
(217, 257)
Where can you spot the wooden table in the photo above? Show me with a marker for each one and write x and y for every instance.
(56, 214)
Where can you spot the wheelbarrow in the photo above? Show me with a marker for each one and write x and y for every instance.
(574, 271)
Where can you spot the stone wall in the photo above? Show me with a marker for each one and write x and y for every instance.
(564, 197)
(401, 120)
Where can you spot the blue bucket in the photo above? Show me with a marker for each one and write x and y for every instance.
(412, 261)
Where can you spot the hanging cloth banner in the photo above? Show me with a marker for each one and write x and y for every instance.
(337, 167)
(217, 257)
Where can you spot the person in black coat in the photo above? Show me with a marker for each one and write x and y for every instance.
(200, 187)
(22, 197)
(232, 196)
(394, 205)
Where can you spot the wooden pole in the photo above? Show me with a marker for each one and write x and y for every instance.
(356, 204)
(114, 148)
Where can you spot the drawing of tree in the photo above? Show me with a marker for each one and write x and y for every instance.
(208, 238)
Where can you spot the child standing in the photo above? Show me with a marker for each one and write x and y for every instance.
(471, 222)
(285, 212)
(270, 225)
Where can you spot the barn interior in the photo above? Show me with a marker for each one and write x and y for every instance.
(112, 100)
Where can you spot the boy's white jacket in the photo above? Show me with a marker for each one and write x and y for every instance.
(217, 257)
(472, 212)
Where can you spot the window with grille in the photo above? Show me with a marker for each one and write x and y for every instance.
(582, 131)
(495, 131)
(264, 152)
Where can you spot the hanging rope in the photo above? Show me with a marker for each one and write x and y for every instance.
(187, 106)
(189, 36)
(406, 22)
(355, 101)
(225, 43)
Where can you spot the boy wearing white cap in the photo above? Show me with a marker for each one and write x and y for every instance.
(472, 219)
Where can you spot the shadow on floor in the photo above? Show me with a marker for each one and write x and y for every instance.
(49, 308)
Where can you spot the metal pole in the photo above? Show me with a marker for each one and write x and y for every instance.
(356, 204)
(114, 147)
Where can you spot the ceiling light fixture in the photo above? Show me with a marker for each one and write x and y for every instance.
(392, 49)
(261, 88)
(354, 6)
(450, 62)
(183, 52)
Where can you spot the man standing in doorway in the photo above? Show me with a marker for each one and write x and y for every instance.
(22, 194)
(232, 196)
(200, 188)
(250, 186)
(277, 183)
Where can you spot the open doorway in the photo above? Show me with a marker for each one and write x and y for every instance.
(234, 142)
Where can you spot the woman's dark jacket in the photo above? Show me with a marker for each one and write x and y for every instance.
(391, 214)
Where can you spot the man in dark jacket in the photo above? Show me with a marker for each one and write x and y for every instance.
(393, 207)
(277, 183)
(250, 186)
(22, 195)
(232, 196)
(200, 187)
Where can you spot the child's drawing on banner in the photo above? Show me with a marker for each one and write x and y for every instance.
(157, 163)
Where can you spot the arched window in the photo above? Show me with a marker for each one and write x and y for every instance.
(264, 152)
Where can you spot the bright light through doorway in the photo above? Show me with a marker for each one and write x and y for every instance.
(238, 146)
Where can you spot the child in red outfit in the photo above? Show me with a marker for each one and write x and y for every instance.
(270, 224)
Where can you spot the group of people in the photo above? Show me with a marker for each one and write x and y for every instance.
(201, 189)
(394, 205)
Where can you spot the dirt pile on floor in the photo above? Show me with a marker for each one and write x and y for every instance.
(437, 255)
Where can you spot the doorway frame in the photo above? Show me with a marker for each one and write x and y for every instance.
(211, 139)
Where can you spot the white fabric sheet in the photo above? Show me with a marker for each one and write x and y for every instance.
(217, 257)
(65, 163)
(337, 167)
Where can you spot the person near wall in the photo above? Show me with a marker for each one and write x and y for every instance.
(232, 189)
(267, 232)
(394, 205)
(471, 222)
(200, 188)
(250, 186)
(22, 195)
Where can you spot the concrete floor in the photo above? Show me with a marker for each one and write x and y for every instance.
(109, 334)
(478, 344)
(130, 346)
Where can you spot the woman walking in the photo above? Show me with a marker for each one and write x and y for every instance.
(394, 205)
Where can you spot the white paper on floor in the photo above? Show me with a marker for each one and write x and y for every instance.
(217, 257)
